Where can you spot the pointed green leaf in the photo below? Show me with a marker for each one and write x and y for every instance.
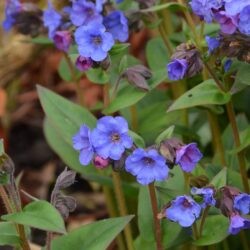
(98, 75)
(169, 6)
(167, 133)
(220, 180)
(243, 74)
(138, 140)
(38, 214)
(215, 230)
(8, 234)
(94, 236)
(206, 93)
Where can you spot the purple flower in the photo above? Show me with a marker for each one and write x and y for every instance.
(147, 166)
(11, 9)
(93, 41)
(242, 203)
(238, 223)
(84, 63)
(110, 137)
(187, 156)
(183, 210)
(84, 13)
(100, 163)
(177, 69)
(119, 1)
(207, 193)
(213, 43)
(81, 142)
(233, 7)
(205, 8)
(62, 40)
(99, 4)
(117, 24)
(227, 65)
(244, 20)
(51, 19)
(228, 24)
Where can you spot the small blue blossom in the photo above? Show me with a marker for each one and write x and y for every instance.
(242, 203)
(117, 24)
(244, 21)
(110, 137)
(51, 19)
(119, 1)
(147, 166)
(12, 8)
(84, 13)
(188, 156)
(205, 8)
(237, 223)
(213, 43)
(207, 193)
(93, 41)
(177, 69)
(184, 210)
(233, 7)
(82, 143)
(227, 65)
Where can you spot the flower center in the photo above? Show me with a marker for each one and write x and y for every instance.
(186, 203)
(97, 40)
(148, 161)
(115, 137)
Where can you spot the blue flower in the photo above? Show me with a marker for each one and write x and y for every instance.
(117, 24)
(12, 8)
(51, 19)
(242, 203)
(233, 7)
(110, 137)
(207, 193)
(82, 143)
(205, 8)
(244, 20)
(213, 43)
(93, 41)
(99, 5)
(228, 24)
(183, 210)
(188, 156)
(227, 65)
(237, 223)
(147, 166)
(62, 40)
(84, 13)
(177, 69)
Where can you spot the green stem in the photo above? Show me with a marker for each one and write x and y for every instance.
(134, 117)
(216, 137)
(195, 231)
(157, 224)
(122, 208)
(240, 155)
(244, 240)
(203, 219)
(74, 78)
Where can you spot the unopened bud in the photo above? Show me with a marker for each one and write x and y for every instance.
(100, 163)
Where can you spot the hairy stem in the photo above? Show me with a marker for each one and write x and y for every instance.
(157, 224)
(122, 208)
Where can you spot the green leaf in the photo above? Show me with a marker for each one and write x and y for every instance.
(141, 243)
(38, 214)
(97, 75)
(166, 134)
(243, 74)
(169, 6)
(65, 116)
(245, 141)
(138, 140)
(118, 48)
(205, 93)
(1, 147)
(64, 70)
(220, 180)
(42, 40)
(94, 236)
(8, 234)
(214, 231)
(145, 215)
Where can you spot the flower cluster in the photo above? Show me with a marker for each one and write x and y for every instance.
(230, 14)
(185, 210)
(108, 141)
(89, 25)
